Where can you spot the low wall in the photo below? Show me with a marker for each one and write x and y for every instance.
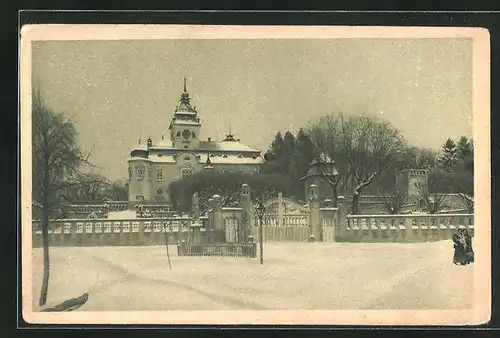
(404, 228)
(123, 232)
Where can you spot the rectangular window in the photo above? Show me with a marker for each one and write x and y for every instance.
(67, 228)
(186, 172)
(126, 226)
(139, 172)
(159, 174)
(79, 228)
(135, 226)
(107, 227)
(117, 227)
(157, 227)
(147, 226)
(88, 228)
(98, 228)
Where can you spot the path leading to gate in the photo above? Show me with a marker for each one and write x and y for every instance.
(294, 276)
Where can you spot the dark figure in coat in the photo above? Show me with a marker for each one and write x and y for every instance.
(459, 245)
(469, 252)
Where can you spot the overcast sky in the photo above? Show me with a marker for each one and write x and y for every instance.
(120, 91)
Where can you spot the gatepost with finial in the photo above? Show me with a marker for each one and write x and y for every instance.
(314, 218)
(218, 221)
(195, 219)
(210, 223)
(246, 214)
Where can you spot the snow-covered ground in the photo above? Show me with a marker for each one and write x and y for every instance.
(333, 276)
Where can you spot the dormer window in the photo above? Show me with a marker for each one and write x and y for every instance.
(224, 156)
(254, 157)
(240, 156)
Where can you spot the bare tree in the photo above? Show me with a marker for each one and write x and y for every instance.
(117, 190)
(394, 203)
(57, 158)
(369, 147)
(433, 202)
(326, 135)
(88, 187)
(467, 202)
(228, 198)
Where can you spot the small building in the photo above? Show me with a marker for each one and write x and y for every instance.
(154, 165)
(321, 167)
(413, 183)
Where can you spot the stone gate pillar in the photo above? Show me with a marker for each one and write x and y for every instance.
(246, 214)
(195, 230)
(195, 206)
(219, 231)
(341, 225)
(314, 217)
(210, 221)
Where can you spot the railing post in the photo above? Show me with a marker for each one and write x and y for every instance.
(280, 209)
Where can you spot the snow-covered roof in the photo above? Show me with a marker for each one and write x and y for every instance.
(160, 158)
(230, 159)
(163, 144)
(132, 159)
(226, 146)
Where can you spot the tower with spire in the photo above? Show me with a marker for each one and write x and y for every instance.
(155, 164)
(185, 125)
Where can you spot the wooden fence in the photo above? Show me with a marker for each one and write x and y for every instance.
(282, 234)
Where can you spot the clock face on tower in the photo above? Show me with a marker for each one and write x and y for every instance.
(186, 133)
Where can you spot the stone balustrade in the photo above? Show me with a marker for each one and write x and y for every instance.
(404, 228)
(122, 232)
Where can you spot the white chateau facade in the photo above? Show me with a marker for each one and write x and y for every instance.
(154, 165)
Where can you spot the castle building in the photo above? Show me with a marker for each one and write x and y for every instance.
(154, 165)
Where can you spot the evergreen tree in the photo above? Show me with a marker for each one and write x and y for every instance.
(448, 157)
(300, 161)
(277, 146)
(287, 152)
(465, 148)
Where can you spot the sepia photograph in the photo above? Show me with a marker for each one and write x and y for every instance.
(255, 175)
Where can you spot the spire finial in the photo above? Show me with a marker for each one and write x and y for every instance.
(185, 91)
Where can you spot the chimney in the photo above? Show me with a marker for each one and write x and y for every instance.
(209, 139)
